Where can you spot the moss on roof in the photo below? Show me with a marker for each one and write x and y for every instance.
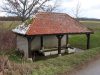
(29, 21)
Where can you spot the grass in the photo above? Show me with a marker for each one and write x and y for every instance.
(65, 63)
(13, 55)
(58, 65)
(94, 25)
(80, 40)
(7, 25)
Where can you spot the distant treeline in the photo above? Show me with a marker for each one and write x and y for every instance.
(10, 18)
(15, 18)
(88, 19)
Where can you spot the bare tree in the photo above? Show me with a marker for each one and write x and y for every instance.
(25, 8)
(77, 10)
(51, 8)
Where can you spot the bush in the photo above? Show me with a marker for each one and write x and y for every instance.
(9, 68)
(7, 40)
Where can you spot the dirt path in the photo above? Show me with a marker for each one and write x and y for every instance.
(91, 69)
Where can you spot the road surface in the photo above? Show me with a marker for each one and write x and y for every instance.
(91, 69)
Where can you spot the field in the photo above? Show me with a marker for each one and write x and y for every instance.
(8, 25)
(80, 40)
(58, 65)
(94, 25)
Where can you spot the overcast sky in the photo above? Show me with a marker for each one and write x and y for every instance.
(88, 8)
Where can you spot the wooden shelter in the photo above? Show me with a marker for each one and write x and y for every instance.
(50, 24)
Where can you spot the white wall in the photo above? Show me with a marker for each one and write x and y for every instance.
(49, 42)
(22, 44)
(36, 43)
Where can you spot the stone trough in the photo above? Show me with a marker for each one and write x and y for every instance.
(54, 52)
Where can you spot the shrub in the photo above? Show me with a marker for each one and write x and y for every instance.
(9, 68)
(7, 40)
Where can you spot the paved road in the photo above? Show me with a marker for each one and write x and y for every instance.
(92, 69)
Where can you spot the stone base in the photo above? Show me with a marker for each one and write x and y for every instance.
(59, 54)
(29, 59)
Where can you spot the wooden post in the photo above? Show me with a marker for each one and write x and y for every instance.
(59, 44)
(88, 41)
(67, 40)
(29, 46)
(41, 41)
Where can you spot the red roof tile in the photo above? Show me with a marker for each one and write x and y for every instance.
(55, 23)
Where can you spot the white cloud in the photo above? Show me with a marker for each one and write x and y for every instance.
(2, 14)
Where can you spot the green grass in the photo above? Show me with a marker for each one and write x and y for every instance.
(60, 65)
(80, 40)
(94, 25)
(13, 55)
(63, 64)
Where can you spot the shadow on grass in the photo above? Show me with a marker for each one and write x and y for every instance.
(39, 57)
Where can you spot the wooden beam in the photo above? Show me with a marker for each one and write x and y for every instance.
(88, 41)
(41, 41)
(29, 46)
(59, 44)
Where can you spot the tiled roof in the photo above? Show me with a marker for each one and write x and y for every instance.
(55, 23)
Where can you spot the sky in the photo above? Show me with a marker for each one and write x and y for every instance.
(88, 8)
